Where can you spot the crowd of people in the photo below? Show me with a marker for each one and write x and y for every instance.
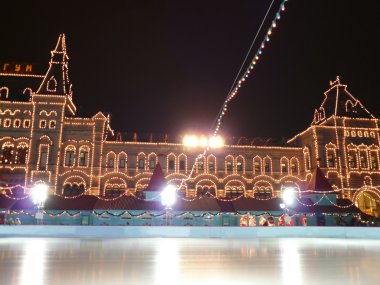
(11, 222)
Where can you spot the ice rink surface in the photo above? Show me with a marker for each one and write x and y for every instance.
(182, 261)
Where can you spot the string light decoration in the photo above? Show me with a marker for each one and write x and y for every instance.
(95, 177)
(250, 68)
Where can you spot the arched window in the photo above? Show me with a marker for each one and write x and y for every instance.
(211, 163)
(69, 155)
(21, 155)
(16, 123)
(152, 160)
(363, 157)
(170, 162)
(26, 123)
(43, 157)
(110, 160)
(240, 164)
(52, 84)
(201, 164)
(229, 164)
(267, 165)
(83, 156)
(7, 153)
(257, 165)
(122, 164)
(331, 155)
(7, 123)
(306, 156)
(294, 166)
(141, 161)
(4, 92)
(284, 164)
(374, 157)
(182, 162)
(352, 156)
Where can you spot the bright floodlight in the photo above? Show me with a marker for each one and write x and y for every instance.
(39, 193)
(288, 196)
(190, 141)
(168, 196)
(203, 141)
(282, 206)
(216, 142)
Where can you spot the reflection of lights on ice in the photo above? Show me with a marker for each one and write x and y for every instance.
(33, 263)
(291, 262)
(167, 261)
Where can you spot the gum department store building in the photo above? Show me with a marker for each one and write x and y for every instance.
(41, 139)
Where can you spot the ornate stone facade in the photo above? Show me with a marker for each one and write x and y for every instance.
(42, 139)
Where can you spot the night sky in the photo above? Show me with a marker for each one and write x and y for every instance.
(166, 66)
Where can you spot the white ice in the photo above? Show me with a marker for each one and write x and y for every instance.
(172, 261)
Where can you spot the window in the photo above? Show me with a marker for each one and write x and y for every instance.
(16, 123)
(69, 159)
(171, 164)
(43, 160)
(200, 165)
(374, 162)
(142, 163)
(229, 166)
(52, 124)
(43, 124)
(257, 166)
(330, 160)
(239, 166)
(26, 124)
(266, 166)
(211, 166)
(22, 153)
(111, 162)
(181, 165)
(263, 193)
(7, 123)
(122, 163)
(52, 84)
(351, 161)
(294, 168)
(7, 155)
(363, 160)
(152, 163)
(284, 167)
(83, 157)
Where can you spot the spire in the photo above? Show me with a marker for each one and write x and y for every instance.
(319, 182)
(56, 80)
(157, 181)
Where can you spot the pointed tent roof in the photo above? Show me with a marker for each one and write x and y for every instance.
(339, 102)
(157, 181)
(319, 182)
(56, 80)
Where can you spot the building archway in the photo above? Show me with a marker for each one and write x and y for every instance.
(368, 201)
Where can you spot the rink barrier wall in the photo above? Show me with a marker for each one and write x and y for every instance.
(187, 232)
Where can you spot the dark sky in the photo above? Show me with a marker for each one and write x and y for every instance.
(166, 66)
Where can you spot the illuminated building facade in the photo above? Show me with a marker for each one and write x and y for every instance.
(42, 139)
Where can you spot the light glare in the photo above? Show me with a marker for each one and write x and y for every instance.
(168, 196)
(288, 196)
(203, 141)
(39, 193)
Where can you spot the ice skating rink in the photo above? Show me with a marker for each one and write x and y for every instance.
(181, 261)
